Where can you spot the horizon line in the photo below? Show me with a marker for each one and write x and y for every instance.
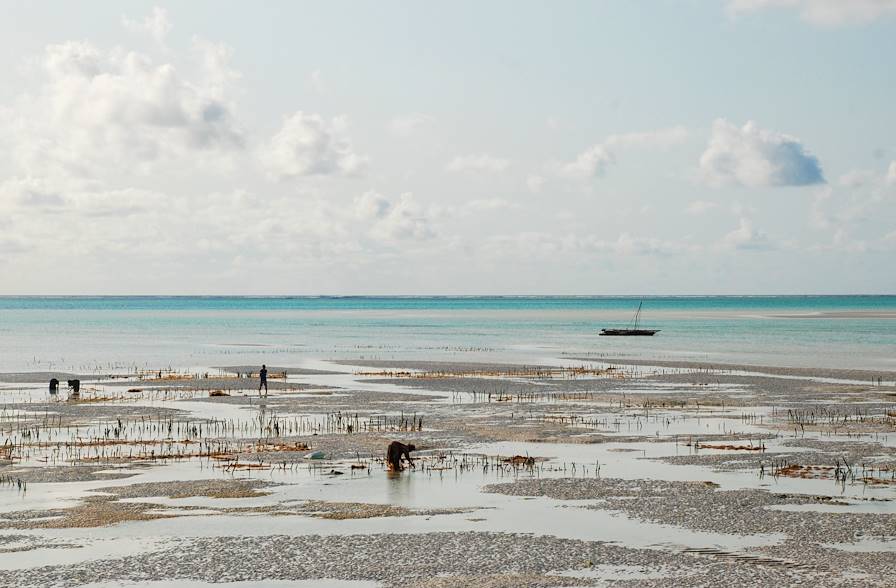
(449, 296)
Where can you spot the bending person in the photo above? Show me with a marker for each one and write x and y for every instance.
(394, 454)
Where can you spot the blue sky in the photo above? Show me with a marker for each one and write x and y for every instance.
(678, 146)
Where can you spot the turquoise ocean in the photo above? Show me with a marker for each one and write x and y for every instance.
(103, 333)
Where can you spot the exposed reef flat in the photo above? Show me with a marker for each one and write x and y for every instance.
(861, 375)
(524, 476)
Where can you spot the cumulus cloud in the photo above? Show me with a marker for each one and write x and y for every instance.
(407, 124)
(399, 220)
(746, 237)
(11, 246)
(875, 183)
(156, 24)
(480, 162)
(215, 59)
(534, 182)
(542, 245)
(310, 145)
(29, 193)
(843, 242)
(823, 12)
(595, 160)
(857, 178)
(856, 210)
(486, 205)
(755, 157)
(115, 154)
(590, 163)
(371, 206)
(98, 109)
(627, 244)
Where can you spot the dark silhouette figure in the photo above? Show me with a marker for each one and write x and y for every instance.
(75, 387)
(54, 387)
(263, 380)
(394, 454)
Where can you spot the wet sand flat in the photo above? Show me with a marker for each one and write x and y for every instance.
(525, 475)
(888, 377)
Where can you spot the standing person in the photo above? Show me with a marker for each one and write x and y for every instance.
(263, 380)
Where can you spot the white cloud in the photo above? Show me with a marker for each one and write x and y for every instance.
(407, 124)
(858, 209)
(100, 109)
(590, 163)
(29, 193)
(308, 145)
(755, 157)
(823, 12)
(626, 244)
(10, 246)
(595, 160)
(481, 162)
(843, 242)
(746, 237)
(156, 24)
(215, 59)
(405, 220)
(371, 206)
(858, 178)
(534, 182)
(486, 205)
(891, 174)
(400, 220)
(701, 206)
(544, 245)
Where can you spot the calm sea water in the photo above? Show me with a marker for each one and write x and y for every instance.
(100, 333)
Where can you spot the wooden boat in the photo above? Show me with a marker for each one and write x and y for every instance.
(633, 330)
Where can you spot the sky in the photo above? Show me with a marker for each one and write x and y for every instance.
(504, 147)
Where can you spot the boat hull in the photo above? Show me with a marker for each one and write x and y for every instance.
(629, 332)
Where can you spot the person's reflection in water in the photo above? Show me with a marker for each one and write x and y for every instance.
(262, 416)
(399, 488)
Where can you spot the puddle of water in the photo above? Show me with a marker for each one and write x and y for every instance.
(621, 465)
(416, 490)
(428, 489)
(869, 545)
(93, 548)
